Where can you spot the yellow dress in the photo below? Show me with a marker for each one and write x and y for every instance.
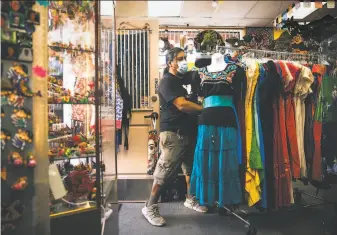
(252, 185)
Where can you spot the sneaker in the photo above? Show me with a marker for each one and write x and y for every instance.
(193, 204)
(151, 213)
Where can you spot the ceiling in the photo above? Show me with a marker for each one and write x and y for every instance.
(202, 13)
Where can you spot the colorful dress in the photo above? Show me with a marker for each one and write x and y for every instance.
(215, 176)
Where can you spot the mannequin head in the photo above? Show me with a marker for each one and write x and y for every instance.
(218, 63)
(175, 57)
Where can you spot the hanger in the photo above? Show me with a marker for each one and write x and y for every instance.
(123, 26)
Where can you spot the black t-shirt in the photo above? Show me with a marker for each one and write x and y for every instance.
(170, 88)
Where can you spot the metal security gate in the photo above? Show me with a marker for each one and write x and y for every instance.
(133, 57)
(107, 74)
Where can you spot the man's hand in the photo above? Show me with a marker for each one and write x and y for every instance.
(186, 106)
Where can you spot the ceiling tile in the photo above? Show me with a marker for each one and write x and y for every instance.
(233, 9)
(254, 22)
(197, 9)
(265, 9)
(268, 9)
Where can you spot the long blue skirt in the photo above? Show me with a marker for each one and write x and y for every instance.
(215, 175)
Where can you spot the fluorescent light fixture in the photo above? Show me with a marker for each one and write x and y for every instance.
(164, 8)
(304, 11)
(106, 8)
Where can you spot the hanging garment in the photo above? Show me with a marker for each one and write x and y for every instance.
(289, 74)
(215, 175)
(309, 141)
(318, 71)
(126, 111)
(280, 165)
(302, 89)
(260, 141)
(254, 163)
(267, 90)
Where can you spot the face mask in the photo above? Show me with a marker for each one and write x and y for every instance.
(182, 67)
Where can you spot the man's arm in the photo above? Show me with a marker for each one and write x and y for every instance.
(186, 106)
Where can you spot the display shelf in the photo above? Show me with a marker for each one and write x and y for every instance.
(73, 103)
(60, 48)
(59, 138)
(72, 157)
(71, 88)
(21, 158)
(66, 212)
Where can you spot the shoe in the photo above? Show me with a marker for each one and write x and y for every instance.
(193, 204)
(151, 213)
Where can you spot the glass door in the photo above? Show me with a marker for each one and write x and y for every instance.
(108, 115)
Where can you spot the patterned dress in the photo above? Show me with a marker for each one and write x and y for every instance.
(215, 176)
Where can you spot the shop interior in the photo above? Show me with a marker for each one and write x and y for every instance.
(147, 29)
(80, 111)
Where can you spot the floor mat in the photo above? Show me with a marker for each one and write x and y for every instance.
(183, 221)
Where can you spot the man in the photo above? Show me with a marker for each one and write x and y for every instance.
(177, 130)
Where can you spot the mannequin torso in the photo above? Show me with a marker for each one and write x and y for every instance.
(218, 63)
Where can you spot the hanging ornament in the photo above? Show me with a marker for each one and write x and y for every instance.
(9, 98)
(5, 136)
(3, 173)
(31, 160)
(20, 116)
(20, 81)
(20, 139)
(2, 113)
(20, 184)
(43, 3)
(15, 159)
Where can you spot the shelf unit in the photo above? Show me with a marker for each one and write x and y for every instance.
(73, 134)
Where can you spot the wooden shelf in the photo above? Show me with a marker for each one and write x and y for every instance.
(72, 157)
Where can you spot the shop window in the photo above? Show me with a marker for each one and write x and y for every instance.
(133, 64)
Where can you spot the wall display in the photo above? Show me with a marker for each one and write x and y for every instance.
(9, 51)
(71, 76)
(24, 39)
(261, 37)
(16, 20)
(26, 54)
(4, 20)
(33, 17)
(8, 36)
(17, 140)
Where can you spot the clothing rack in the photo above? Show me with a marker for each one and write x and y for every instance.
(287, 56)
(280, 55)
(274, 55)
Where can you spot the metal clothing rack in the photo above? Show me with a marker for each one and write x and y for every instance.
(281, 55)
(273, 55)
(276, 55)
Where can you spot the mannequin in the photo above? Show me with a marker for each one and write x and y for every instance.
(218, 63)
